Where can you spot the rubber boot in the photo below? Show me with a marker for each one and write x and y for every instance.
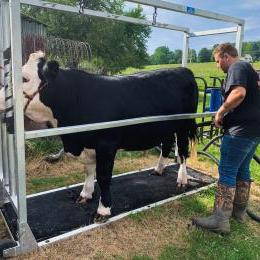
(241, 200)
(219, 221)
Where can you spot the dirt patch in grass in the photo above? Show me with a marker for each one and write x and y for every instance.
(68, 165)
(38, 167)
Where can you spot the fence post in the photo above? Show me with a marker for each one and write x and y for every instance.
(26, 239)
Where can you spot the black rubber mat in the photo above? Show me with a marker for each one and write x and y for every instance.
(56, 213)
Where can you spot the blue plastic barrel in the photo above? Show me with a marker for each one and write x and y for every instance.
(215, 99)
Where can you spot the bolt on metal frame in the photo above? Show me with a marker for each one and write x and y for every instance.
(12, 150)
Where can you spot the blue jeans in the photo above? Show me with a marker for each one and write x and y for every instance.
(236, 154)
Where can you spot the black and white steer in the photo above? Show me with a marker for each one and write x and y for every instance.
(74, 97)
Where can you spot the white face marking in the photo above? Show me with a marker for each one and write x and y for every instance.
(36, 110)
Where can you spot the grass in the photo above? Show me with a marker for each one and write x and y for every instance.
(205, 70)
(42, 146)
(242, 243)
(38, 184)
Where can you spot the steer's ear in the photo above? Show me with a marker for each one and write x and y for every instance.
(49, 70)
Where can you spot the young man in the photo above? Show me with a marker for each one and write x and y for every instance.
(239, 116)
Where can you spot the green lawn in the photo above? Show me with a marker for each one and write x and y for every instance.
(205, 69)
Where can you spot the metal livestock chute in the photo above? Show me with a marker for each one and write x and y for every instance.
(12, 168)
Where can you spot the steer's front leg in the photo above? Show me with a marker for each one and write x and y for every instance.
(88, 187)
(105, 155)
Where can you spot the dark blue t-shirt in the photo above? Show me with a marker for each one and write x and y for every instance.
(244, 120)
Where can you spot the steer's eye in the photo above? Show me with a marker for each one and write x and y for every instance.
(25, 80)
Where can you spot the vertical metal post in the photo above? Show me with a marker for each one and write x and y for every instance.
(2, 196)
(27, 241)
(185, 49)
(5, 78)
(11, 163)
(239, 39)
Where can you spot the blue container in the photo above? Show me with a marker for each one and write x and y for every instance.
(215, 99)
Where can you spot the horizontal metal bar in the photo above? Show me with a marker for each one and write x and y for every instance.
(112, 124)
(189, 10)
(106, 15)
(213, 32)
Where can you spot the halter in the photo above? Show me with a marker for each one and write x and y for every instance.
(31, 97)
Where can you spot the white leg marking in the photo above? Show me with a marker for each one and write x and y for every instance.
(102, 210)
(182, 174)
(88, 188)
(161, 164)
(176, 151)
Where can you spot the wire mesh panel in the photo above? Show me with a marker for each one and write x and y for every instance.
(68, 52)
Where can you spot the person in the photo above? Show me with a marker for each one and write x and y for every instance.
(239, 116)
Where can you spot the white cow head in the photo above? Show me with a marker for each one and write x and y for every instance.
(35, 110)
(29, 72)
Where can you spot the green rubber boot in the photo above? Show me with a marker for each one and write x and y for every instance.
(241, 200)
(219, 221)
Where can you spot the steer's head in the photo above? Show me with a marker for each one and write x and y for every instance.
(30, 80)
(33, 84)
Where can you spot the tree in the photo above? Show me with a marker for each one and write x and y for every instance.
(192, 55)
(114, 44)
(252, 49)
(204, 55)
(162, 55)
(178, 56)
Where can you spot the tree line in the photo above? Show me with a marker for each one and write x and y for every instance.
(163, 55)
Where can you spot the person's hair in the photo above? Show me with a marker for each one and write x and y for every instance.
(225, 48)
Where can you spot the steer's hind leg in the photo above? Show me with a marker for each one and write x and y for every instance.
(165, 151)
(105, 155)
(183, 150)
(88, 187)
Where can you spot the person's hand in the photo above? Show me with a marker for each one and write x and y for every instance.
(219, 119)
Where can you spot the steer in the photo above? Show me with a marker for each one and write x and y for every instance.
(74, 97)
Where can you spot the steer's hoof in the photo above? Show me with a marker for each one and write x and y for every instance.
(155, 173)
(81, 200)
(99, 219)
(180, 188)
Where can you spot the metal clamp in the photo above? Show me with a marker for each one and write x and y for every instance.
(81, 6)
(154, 16)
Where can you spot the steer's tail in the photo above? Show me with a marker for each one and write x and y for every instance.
(193, 139)
(192, 130)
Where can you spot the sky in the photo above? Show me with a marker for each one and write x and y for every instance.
(249, 10)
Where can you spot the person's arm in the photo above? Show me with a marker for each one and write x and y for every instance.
(233, 100)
